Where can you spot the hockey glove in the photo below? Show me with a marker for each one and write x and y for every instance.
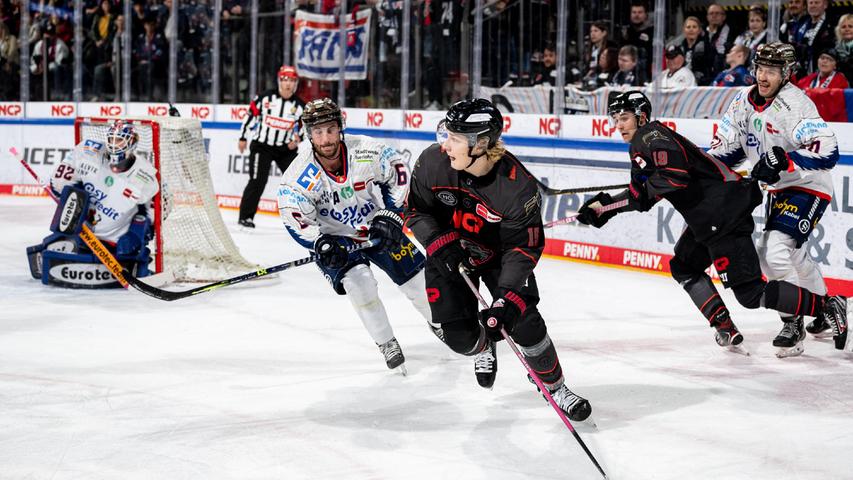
(504, 313)
(447, 253)
(587, 214)
(387, 227)
(331, 251)
(771, 163)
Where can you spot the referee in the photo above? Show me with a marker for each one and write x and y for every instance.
(274, 116)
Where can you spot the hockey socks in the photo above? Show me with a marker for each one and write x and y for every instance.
(706, 298)
(542, 358)
(791, 300)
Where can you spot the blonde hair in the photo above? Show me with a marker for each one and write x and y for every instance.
(847, 17)
(495, 153)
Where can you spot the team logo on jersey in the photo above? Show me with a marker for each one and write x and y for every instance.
(640, 160)
(770, 129)
(91, 146)
(804, 226)
(484, 212)
(757, 124)
(347, 192)
(310, 177)
(109, 181)
(446, 198)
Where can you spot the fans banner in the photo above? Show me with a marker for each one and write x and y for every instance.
(317, 45)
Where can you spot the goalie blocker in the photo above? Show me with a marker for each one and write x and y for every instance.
(62, 259)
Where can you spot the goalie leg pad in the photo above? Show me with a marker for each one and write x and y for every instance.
(75, 270)
(56, 242)
(71, 211)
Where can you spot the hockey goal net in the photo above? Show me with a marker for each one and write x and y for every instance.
(191, 240)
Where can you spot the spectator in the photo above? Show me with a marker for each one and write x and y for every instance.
(640, 33)
(99, 50)
(58, 62)
(630, 73)
(149, 52)
(603, 73)
(599, 40)
(814, 36)
(677, 75)
(698, 52)
(756, 34)
(792, 19)
(719, 35)
(9, 60)
(547, 74)
(737, 75)
(844, 44)
(104, 71)
(826, 75)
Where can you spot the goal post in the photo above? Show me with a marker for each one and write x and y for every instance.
(190, 237)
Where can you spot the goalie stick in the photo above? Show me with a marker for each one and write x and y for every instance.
(168, 295)
(89, 238)
(572, 218)
(533, 375)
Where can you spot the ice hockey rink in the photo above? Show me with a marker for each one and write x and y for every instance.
(277, 379)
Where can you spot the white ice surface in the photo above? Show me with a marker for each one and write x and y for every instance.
(278, 380)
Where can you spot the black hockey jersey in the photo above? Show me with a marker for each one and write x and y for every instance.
(710, 196)
(497, 215)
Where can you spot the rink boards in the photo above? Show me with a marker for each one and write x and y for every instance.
(572, 151)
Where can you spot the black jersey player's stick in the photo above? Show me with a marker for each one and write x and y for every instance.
(89, 238)
(572, 218)
(564, 191)
(545, 392)
(168, 295)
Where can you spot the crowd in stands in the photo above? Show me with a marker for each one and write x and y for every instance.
(709, 52)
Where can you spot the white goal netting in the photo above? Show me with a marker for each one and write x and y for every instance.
(191, 240)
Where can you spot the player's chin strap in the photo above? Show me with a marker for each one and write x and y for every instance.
(464, 272)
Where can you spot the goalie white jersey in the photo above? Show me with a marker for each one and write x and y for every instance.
(791, 121)
(312, 201)
(114, 197)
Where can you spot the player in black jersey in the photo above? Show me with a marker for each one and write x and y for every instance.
(472, 203)
(716, 204)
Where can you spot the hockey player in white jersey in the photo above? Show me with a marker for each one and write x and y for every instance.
(110, 188)
(339, 192)
(774, 127)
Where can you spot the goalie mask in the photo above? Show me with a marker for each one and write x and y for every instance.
(122, 140)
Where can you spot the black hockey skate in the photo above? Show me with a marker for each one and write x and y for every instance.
(246, 223)
(727, 333)
(436, 330)
(819, 328)
(573, 405)
(393, 355)
(790, 338)
(835, 313)
(486, 365)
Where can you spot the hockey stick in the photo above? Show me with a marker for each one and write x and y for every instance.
(168, 296)
(89, 238)
(572, 218)
(564, 191)
(532, 374)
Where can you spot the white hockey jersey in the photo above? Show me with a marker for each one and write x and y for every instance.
(311, 201)
(113, 197)
(790, 121)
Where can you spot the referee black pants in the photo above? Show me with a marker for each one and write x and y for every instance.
(261, 157)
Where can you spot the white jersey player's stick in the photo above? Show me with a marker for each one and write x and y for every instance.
(94, 244)
(533, 375)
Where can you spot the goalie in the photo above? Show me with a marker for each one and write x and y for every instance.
(111, 189)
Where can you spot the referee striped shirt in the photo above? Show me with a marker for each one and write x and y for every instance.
(275, 120)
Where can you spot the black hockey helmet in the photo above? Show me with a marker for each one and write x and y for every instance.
(321, 110)
(776, 54)
(474, 118)
(633, 101)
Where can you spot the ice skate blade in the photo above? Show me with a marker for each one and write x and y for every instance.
(402, 370)
(822, 335)
(739, 349)
(588, 422)
(795, 351)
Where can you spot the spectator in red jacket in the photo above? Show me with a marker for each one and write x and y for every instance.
(826, 75)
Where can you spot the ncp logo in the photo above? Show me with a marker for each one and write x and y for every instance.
(374, 119)
(239, 113)
(111, 110)
(549, 125)
(201, 113)
(11, 110)
(414, 120)
(62, 110)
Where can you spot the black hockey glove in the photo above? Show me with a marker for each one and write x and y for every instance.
(331, 250)
(587, 214)
(387, 227)
(504, 312)
(771, 163)
(446, 251)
